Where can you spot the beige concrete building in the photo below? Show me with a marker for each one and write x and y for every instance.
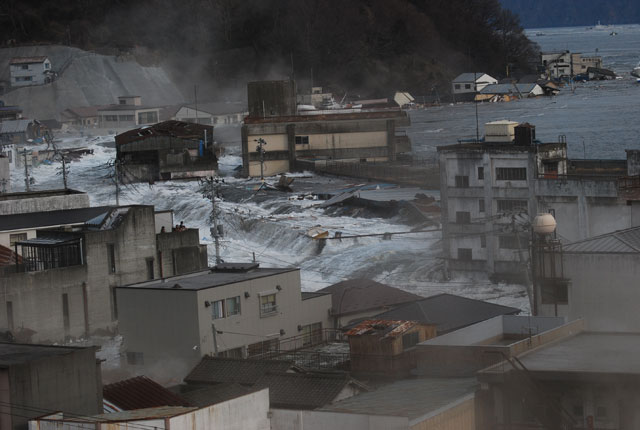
(235, 309)
(129, 112)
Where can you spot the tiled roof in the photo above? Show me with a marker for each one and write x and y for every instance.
(469, 77)
(302, 391)
(358, 295)
(214, 370)
(384, 328)
(617, 242)
(447, 311)
(201, 396)
(140, 393)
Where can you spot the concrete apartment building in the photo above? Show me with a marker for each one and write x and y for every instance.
(344, 135)
(26, 71)
(129, 112)
(64, 284)
(167, 150)
(490, 190)
(38, 378)
(235, 309)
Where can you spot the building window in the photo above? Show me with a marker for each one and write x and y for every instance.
(512, 206)
(127, 118)
(312, 334)
(147, 117)
(149, 268)
(463, 217)
(302, 140)
(511, 173)
(511, 241)
(480, 173)
(268, 304)
(47, 66)
(17, 237)
(410, 340)
(481, 206)
(24, 67)
(465, 254)
(123, 102)
(233, 306)
(217, 309)
(111, 118)
(135, 358)
(259, 348)
(554, 292)
(467, 86)
(24, 78)
(65, 313)
(457, 86)
(232, 353)
(111, 257)
(462, 182)
(483, 241)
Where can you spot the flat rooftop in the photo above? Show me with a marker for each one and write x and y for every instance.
(16, 353)
(38, 194)
(411, 398)
(208, 279)
(50, 218)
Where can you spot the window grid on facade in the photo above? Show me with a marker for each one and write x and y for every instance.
(268, 304)
(511, 173)
(302, 140)
(463, 217)
(233, 306)
(217, 309)
(462, 181)
(17, 237)
(518, 206)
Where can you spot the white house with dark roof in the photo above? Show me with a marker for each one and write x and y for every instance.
(214, 113)
(26, 71)
(470, 83)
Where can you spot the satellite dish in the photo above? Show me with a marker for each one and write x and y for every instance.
(544, 223)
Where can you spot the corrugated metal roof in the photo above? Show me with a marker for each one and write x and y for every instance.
(617, 242)
(213, 370)
(385, 328)
(508, 88)
(141, 414)
(14, 126)
(140, 393)
(27, 60)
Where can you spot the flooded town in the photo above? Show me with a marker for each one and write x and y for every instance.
(217, 224)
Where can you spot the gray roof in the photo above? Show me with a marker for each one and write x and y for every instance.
(14, 126)
(469, 77)
(201, 396)
(357, 295)
(16, 353)
(524, 88)
(221, 108)
(449, 312)
(302, 390)
(617, 242)
(588, 353)
(208, 279)
(214, 370)
(51, 218)
(411, 398)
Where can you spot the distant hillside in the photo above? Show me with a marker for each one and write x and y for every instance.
(362, 47)
(567, 13)
(88, 79)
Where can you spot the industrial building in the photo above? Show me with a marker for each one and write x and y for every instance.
(63, 285)
(234, 309)
(128, 112)
(167, 150)
(491, 188)
(276, 137)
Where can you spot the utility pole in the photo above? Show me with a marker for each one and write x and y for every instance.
(26, 171)
(215, 340)
(64, 172)
(261, 151)
(210, 190)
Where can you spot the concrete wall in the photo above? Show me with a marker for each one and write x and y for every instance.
(18, 203)
(5, 175)
(604, 290)
(67, 382)
(459, 415)
(284, 419)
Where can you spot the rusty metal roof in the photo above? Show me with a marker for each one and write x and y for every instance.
(384, 328)
(177, 129)
(27, 60)
(140, 393)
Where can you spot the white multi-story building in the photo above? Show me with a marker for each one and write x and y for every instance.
(27, 71)
(491, 190)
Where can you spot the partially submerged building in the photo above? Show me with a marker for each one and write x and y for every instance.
(506, 92)
(466, 85)
(234, 309)
(167, 150)
(212, 113)
(276, 137)
(128, 112)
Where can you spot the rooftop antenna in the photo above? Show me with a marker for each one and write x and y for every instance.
(210, 190)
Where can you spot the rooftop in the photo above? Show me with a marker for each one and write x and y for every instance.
(208, 279)
(51, 218)
(172, 128)
(119, 107)
(509, 88)
(469, 77)
(15, 126)
(37, 194)
(387, 113)
(447, 311)
(140, 393)
(617, 242)
(27, 60)
(218, 108)
(358, 295)
(302, 390)
(201, 396)
(139, 414)
(16, 353)
(411, 398)
(586, 354)
(214, 370)
(383, 328)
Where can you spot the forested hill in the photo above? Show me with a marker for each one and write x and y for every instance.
(368, 47)
(566, 13)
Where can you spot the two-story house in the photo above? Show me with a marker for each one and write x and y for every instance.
(27, 71)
